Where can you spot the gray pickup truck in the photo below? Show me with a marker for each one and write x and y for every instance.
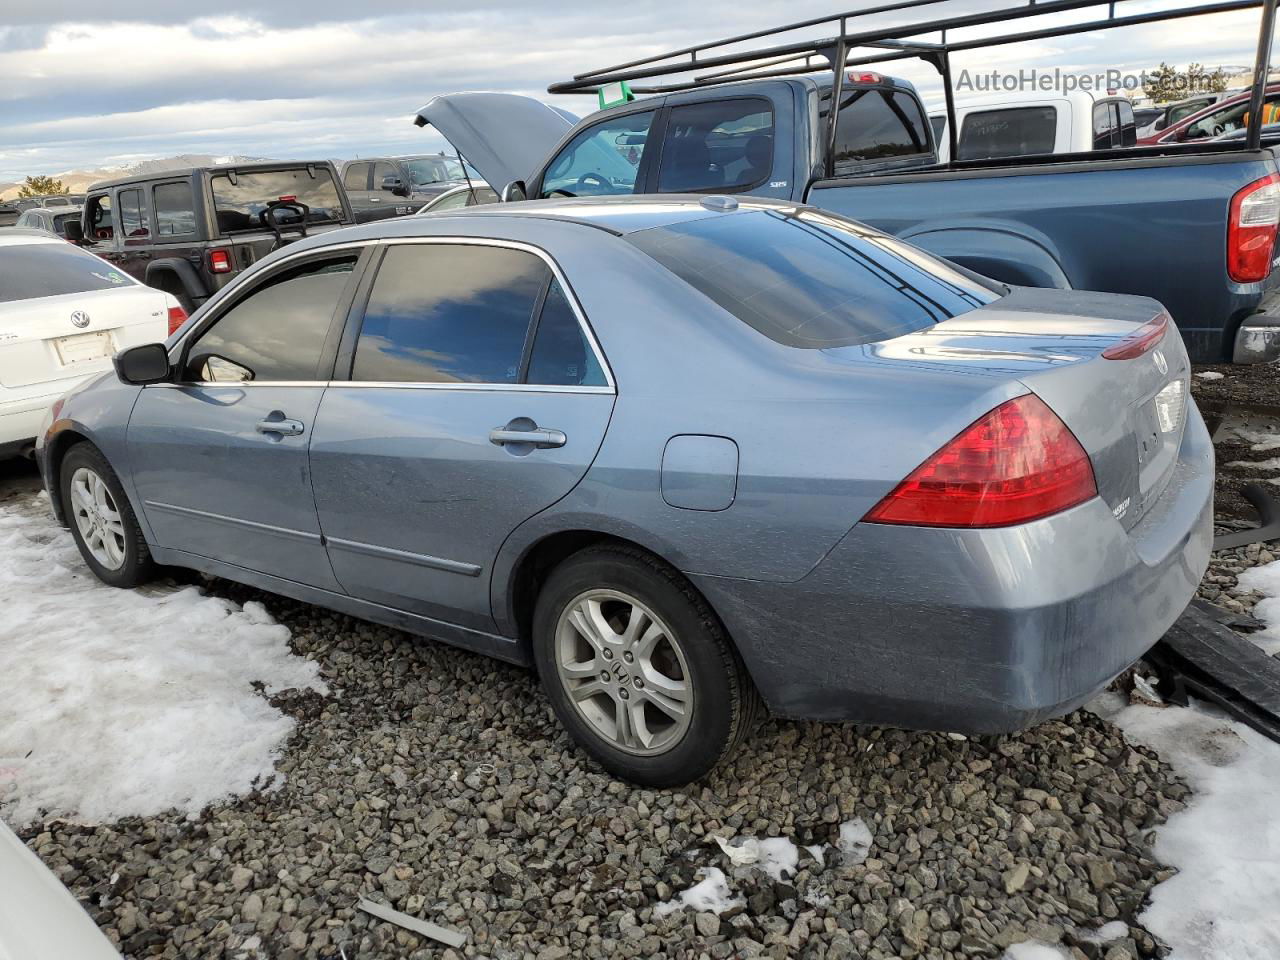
(1192, 226)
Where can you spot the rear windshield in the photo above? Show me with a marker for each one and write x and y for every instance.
(241, 203)
(31, 270)
(809, 279)
(876, 124)
(1015, 132)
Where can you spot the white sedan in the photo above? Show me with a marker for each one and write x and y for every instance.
(64, 313)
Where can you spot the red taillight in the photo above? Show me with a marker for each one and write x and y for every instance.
(1017, 463)
(220, 261)
(865, 77)
(1251, 230)
(1140, 341)
(177, 317)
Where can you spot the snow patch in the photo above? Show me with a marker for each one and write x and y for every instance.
(1210, 375)
(1035, 950)
(1115, 930)
(1266, 580)
(710, 894)
(1225, 844)
(1260, 440)
(855, 840)
(776, 856)
(118, 703)
(1272, 464)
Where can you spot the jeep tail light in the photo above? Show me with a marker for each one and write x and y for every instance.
(177, 317)
(220, 261)
(1251, 230)
(1140, 341)
(1017, 463)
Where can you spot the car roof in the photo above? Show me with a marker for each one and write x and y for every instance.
(16, 236)
(616, 215)
(211, 168)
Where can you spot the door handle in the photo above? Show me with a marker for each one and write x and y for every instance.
(542, 439)
(281, 426)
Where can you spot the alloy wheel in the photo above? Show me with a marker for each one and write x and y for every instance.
(98, 518)
(624, 671)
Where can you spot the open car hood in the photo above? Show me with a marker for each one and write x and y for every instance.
(503, 135)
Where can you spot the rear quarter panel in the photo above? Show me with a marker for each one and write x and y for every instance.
(1154, 226)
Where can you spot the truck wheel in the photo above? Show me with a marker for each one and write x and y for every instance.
(638, 667)
(101, 519)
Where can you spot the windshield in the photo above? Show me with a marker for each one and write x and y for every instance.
(810, 279)
(241, 203)
(431, 170)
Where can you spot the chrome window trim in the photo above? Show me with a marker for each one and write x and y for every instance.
(584, 326)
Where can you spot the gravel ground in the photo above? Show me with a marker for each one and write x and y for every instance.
(439, 782)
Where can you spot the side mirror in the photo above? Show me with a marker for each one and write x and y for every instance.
(139, 366)
(72, 231)
(513, 191)
(395, 185)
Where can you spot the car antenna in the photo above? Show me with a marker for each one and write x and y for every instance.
(470, 189)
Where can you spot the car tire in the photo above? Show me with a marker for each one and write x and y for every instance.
(102, 520)
(663, 703)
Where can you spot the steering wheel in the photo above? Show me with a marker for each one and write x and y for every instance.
(588, 178)
(1219, 129)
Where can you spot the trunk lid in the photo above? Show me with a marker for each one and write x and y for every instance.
(503, 135)
(1129, 415)
(40, 343)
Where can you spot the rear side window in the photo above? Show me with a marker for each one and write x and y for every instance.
(60, 222)
(133, 215)
(809, 279)
(175, 216)
(356, 177)
(561, 355)
(31, 270)
(277, 332)
(1015, 132)
(449, 313)
(240, 199)
(876, 124)
(719, 145)
(1104, 126)
(1128, 125)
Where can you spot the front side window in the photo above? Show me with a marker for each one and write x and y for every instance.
(602, 160)
(811, 279)
(718, 145)
(101, 221)
(277, 332)
(381, 171)
(1014, 132)
(876, 124)
(449, 313)
(241, 198)
(1180, 112)
(175, 214)
(561, 355)
(31, 270)
(430, 170)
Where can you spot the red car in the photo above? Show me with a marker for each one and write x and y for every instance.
(1216, 119)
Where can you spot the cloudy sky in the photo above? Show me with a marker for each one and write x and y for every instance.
(86, 84)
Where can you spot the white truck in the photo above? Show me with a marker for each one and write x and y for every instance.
(1020, 124)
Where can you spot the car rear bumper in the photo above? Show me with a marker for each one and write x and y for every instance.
(20, 419)
(976, 631)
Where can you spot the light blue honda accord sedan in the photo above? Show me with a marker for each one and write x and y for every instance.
(689, 458)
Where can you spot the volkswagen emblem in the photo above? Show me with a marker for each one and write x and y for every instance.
(80, 319)
(1161, 363)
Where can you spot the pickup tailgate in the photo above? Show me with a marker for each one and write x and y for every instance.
(1128, 414)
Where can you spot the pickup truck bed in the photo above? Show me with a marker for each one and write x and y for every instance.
(1151, 225)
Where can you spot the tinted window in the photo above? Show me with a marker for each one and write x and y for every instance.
(31, 270)
(242, 205)
(446, 313)
(133, 218)
(1015, 132)
(1128, 124)
(60, 222)
(277, 332)
(939, 126)
(1184, 110)
(175, 215)
(561, 354)
(810, 279)
(1104, 126)
(356, 177)
(718, 145)
(876, 125)
(601, 160)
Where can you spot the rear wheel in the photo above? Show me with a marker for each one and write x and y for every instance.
(101, 519)
(639, 669)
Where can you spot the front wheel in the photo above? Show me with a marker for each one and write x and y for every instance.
(638, 667)
(102, 521)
